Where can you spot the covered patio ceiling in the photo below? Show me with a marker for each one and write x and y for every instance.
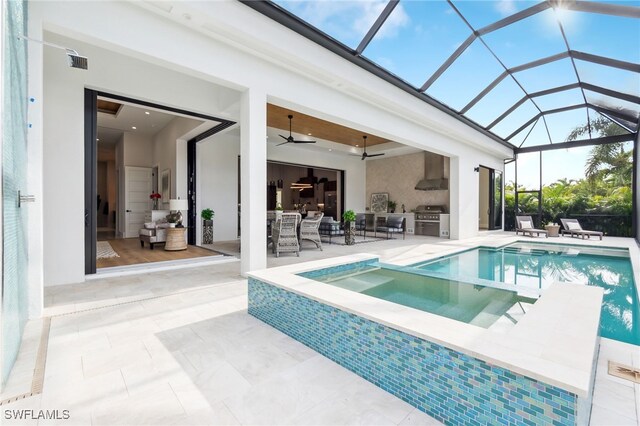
(314, 127)
(525, 73)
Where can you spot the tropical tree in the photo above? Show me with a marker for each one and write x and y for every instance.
(602, 200)
(608, 161)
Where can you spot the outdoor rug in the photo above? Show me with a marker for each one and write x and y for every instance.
(339, 240)
(105, 251)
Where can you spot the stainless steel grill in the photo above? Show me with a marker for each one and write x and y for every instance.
(428, 220)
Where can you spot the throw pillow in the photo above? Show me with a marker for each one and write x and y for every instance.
(526, 224)
(574, 226)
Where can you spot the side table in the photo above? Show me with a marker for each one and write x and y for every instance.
(175, 239)
(552, 230)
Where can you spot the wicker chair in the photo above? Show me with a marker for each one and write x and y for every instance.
(285, 234)
(309, 230)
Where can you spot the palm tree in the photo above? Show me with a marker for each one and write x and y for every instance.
(607, 162)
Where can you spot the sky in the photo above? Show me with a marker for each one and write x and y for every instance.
(420, 35)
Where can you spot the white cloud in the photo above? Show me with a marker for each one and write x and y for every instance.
(350, 19)
(394, 22)
(506, 7)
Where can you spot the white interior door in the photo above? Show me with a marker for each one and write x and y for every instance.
(137, 188)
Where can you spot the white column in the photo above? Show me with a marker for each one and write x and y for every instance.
(464, 187)
(253, 180)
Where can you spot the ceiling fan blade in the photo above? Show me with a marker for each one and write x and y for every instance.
(374, 155)
(304, 141)
(283, 137)
(364, 156)
(356, 155)
(283, 143)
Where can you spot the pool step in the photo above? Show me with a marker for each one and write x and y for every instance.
(525, 251)
(354, 283)
(501, 311)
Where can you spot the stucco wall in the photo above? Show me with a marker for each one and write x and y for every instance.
(398, 177)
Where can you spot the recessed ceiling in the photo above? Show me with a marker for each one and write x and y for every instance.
(146, 120)
(317, 128)
(108, 107)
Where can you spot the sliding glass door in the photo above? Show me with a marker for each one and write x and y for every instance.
(495, 196)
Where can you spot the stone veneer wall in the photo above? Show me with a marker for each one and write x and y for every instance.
(450, 386)
(398, 177)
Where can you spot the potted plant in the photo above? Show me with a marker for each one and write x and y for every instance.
(349, 218)
(172, 219)
(391, 205)
(207, 225)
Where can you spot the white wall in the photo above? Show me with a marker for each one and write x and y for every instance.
(217, 184)
(138, 150)
(242, 50)
(63, 140)
(165, 153)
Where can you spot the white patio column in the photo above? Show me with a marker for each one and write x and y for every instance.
(253, 180)
(463, 185)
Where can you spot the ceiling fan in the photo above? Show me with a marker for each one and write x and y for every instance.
(290, 138)
(364, 153)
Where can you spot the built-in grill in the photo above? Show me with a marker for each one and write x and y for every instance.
(428, 220)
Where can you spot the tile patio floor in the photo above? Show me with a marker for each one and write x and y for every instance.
(178, 347)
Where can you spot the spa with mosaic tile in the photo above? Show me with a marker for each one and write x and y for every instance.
(456, 372)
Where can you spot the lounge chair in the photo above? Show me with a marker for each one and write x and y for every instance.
(524, 224)
(573, 228)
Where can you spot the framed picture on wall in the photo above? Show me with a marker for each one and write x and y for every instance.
(165, 185)
(379, 202)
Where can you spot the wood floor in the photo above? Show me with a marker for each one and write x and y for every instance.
(132, 254)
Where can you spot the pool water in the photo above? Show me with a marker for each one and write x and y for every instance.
(536, 266)
(479, 305)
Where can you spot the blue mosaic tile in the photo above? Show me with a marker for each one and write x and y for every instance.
(347, 267)
(452, 387)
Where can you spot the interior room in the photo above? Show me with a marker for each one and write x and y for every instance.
(138, 158)
(322, 192)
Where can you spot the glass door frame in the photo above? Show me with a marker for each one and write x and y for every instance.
(492, 198)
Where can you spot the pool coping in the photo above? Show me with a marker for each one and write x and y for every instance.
(547, 344)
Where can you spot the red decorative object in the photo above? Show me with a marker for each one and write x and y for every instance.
(154, 196)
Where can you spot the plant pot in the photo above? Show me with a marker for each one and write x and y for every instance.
(349, 233)
(207, 232)
(172, 225)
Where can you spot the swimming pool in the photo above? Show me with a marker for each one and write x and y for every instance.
(537, 265)
(481, 305)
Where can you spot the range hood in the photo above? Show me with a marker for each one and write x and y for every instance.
(434, 178)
